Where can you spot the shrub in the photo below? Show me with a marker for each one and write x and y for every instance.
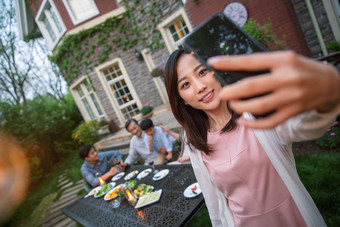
(145, 110)
(102, 123)
(87, 132)
(334, 46)
(331, 138)
(43, 126)
(157, 72)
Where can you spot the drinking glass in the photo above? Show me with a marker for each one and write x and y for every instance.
(116, 202)
(152, 164)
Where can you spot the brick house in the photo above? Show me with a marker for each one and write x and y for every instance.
(106, 49)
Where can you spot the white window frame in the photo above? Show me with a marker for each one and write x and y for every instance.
(80, 104)
(163, 27)
(337, 9)
(43, 12)
(73, 17)
(109, 92)
(332, 9)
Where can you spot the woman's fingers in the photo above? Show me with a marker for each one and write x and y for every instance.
(266, 103)
(253, 62)
(272, 120)
(253, 86)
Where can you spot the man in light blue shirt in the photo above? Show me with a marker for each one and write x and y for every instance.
(98, 164)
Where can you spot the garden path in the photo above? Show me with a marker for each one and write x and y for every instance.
(54, 216)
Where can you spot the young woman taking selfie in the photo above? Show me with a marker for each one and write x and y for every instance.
(245, 166)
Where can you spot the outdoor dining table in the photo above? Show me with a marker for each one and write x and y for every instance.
(172, 209)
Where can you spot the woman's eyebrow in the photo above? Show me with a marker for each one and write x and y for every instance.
(197, 67)
(183, 78)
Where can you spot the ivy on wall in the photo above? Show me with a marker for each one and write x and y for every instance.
(137, 26)
(265, 35)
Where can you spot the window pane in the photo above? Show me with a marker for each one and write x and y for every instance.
(88, 87)
(95, 102)
(80, 92)
(49, 29)
(121, 91)
(88, 108)
(55, 19)
(112, 72)
(82, 9)
(130, 111)
(179, 30)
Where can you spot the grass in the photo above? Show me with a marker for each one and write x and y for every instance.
(319, 172)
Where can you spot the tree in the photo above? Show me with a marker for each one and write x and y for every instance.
(25, 71)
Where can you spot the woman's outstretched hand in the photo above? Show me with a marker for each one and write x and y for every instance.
(294, 84)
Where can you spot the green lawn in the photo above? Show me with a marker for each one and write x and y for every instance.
(320, 172)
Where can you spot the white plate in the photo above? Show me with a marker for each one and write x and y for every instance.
(140, 203)
(118, 176)
(93, 192)
(144, 173)
(105, 198)
(131, 175)
(161, 174)
(112, 183)
(189, 193)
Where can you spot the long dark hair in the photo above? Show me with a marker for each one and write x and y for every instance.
(194, 121)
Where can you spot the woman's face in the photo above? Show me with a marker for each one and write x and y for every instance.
(196, 85)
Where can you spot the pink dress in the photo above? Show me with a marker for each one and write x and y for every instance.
(240, 168)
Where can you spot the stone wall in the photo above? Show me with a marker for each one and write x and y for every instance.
(307, 25)
(137, 70)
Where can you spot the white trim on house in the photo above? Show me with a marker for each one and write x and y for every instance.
(97, 20)
(71, 11)
(109, 92)
(44, 11)
(80, 104)
(332, 9)
(163, 27)
(24, 18)
(159, 83)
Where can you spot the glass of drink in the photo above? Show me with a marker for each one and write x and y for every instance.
(152, 164)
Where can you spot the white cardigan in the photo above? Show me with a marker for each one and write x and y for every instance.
(277, 143)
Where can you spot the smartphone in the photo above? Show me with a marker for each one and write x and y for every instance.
(220, 36)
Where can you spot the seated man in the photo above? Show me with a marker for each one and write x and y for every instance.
(157, 140)
(97, 165)
(137, 145)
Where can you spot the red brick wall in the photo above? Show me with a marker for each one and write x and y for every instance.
(104, 6)
(280, 13)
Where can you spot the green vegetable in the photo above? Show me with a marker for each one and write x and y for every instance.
(104, 189)
(131, 184)
(142, 189)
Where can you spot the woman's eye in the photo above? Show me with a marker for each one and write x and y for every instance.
(185, 84)
(203, 72)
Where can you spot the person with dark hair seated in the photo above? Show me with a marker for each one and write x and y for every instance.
(98, 164)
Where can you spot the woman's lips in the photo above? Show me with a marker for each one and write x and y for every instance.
(207, 97)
